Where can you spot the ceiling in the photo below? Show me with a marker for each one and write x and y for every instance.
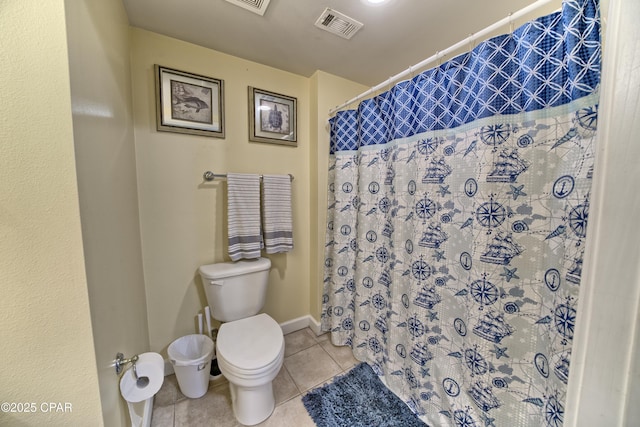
(395, 35)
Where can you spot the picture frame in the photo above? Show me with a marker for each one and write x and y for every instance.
(189, 103)
(272, 117)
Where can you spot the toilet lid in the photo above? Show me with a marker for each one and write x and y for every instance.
(250, 343)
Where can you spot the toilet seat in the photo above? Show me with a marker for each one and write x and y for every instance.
(251, 345)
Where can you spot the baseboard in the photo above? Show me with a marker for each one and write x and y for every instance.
(300, 323)
(315, 326)
(295, 324)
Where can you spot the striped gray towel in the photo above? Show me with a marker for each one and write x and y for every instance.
(243, 210)
(276, 209)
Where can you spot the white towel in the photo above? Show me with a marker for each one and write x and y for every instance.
(276, 209)
(243, 210)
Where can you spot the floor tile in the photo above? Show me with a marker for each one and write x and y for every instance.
(310, 367)
(324, 337)
(213, 409)
(289, 414)
(343, 355)
(283, 387)
(169, 393)
(298, 341)
(163, 416)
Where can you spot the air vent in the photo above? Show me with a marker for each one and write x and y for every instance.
(338, 23)
(255, 6)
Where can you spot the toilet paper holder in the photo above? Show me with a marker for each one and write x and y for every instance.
(121, 362)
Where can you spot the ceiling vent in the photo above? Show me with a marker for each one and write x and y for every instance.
(338, 23)
(255, 6)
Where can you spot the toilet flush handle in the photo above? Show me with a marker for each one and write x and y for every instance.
(216, 283)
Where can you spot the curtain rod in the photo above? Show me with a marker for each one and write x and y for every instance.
(508, 20)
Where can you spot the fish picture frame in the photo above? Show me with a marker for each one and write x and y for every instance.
(189, 103)
(272, 117)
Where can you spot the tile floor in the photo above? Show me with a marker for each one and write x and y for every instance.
(309, 361)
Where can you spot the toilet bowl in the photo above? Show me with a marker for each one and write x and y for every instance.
(249, 346)
(250, 354)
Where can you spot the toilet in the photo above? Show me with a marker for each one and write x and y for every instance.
(249, 346)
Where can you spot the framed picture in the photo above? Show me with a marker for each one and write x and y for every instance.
(272, 117)
(189, 103)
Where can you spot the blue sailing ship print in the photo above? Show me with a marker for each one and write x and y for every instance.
(437, 171)
(508, 167)
(501, 249)
(493, 328)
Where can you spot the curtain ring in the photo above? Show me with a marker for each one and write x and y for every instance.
(439, 58)
(511, 23)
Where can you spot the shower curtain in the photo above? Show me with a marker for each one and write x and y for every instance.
(458, 207)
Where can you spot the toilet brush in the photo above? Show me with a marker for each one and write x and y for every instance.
(207, 314)
(215, 370)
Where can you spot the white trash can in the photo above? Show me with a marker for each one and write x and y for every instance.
(190, 356)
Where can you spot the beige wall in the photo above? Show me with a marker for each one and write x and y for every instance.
(47, 345)
(327, 91)
(98, 42)
(183, 218)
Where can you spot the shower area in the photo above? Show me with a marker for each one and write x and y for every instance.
(458, 211)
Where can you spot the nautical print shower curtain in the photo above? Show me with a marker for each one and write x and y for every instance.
(458, 206)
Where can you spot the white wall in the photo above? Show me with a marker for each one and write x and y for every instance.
(604, 383)
(45, 326)
(100, 75)
(327, 91)
(182, 217)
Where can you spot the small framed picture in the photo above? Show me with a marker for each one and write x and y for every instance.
(272, 117)
(189, 103)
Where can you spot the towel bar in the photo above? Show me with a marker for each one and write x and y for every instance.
(210, 176)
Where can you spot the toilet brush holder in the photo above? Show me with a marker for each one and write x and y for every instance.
(215, 373)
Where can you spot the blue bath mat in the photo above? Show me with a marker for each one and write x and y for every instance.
(358, 399)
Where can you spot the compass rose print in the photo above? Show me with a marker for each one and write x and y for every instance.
(420, 270)
(578, 219)
(384, 204)
(475, 362)
(382, 254)
(378, 301)
(425, 208)
(565, 320)
(553, 412)
(588, 117)
(491, 214)
(463, 419)
(428, 146)
(415, 327)
(484, 292)
(494, 134)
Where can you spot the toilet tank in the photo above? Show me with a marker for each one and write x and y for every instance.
(236, 290)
